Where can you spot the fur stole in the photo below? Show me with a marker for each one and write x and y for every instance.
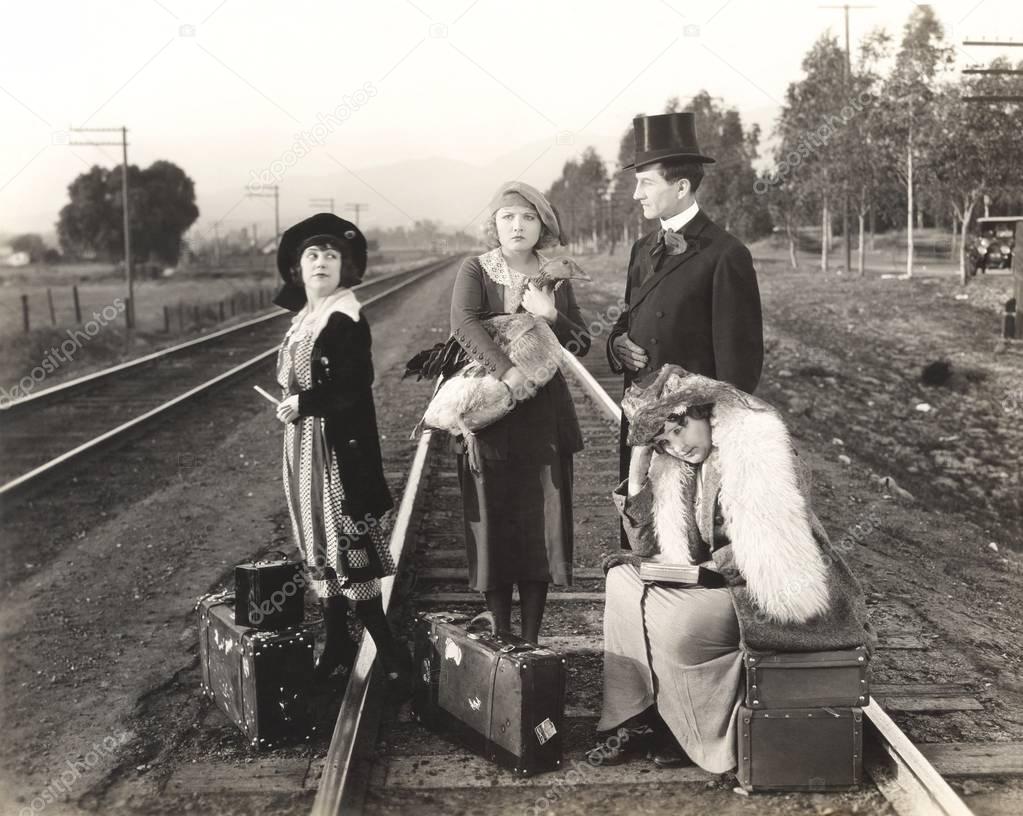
(766, 516)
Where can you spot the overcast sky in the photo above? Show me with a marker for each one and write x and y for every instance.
(223, 88)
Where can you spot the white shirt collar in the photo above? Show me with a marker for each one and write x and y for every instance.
(676, 222)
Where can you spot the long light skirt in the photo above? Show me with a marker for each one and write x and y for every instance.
(678, 648)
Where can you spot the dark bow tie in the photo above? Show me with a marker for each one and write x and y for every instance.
(674, 243)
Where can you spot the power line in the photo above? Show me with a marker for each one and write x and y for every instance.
(129, 312)
(320, 203)
(356, 207)
(276, 196)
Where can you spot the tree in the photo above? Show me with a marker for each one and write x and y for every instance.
(162, 208)
(972, 146)
(30, 243)
(578, 195)
(908, 97)
(728, 189)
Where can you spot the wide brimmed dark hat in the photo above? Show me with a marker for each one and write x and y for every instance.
(667, 136)
(649, 402)
(292, 295)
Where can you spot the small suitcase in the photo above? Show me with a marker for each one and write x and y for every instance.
(503, 695)
(269, 594)
(807, 679)
(258, 679)
(800, 749)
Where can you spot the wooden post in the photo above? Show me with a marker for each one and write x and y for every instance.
(196, 315)
(181, 317)
(78, 304)
(49, 302)
(166, 319)
(1017, 276)
(234, 298)
(24, 311)
(129, 313)
(220, 310)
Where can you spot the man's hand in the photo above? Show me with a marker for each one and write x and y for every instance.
(639, 465)
(630, 355)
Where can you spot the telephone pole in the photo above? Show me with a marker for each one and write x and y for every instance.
(356, 207)
(321, 203)
(845, 184)
(276, 196)
(129, 311)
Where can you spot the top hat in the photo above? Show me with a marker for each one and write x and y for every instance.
(666, 136)
(292, 295)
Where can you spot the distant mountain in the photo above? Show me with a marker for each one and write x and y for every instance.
(447, 190)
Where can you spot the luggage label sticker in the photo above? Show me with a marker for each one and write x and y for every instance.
(545, 730)
(453, 652)
(475, 703)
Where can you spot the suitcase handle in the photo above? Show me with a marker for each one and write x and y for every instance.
(266, 558)
(482, 618)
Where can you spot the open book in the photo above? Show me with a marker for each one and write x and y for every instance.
(684, 574)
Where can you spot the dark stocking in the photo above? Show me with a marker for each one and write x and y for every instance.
(499, 602)
(339, 648)
(533, 595)
(371, 613)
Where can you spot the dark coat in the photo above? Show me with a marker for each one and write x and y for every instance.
(342, 395)
(540, 428)
(699, 310)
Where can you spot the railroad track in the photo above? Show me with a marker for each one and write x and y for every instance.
(49, 430)
(381, 762)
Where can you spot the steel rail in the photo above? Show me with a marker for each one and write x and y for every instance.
(60, 389)
(907, 780)
(48, 468)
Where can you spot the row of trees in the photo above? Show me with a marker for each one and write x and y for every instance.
(897, 134)
(598, 208)
(894, 134)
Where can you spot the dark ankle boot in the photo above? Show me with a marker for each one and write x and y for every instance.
(395, 659)
(339, 649)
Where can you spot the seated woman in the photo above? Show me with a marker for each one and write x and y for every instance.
(714, 482)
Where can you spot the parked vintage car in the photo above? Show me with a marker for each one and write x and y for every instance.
(990, 244)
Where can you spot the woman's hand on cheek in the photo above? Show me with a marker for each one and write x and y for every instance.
(540, 302)
(639, 466)
(287, 409)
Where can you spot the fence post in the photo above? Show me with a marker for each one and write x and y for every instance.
(166, 319)
(181, 317)
(1017, 274)
(49, 301)
(129, 313)
(24, 311)
(220, 310)
(196, 315)
(78, 304)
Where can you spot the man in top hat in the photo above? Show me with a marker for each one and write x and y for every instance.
(692, 291)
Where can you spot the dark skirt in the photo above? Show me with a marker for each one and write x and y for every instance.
(518, 521)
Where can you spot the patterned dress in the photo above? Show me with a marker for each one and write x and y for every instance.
(332, 543)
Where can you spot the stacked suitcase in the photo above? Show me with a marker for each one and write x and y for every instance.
(256, 655)
(801, 725)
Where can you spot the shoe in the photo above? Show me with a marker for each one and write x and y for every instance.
(669, 754)
(333, 659)
(624, 745)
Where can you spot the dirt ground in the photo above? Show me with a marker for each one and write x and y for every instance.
(99, 662)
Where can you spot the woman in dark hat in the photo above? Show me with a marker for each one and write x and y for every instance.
(333, 473)
(518, 508)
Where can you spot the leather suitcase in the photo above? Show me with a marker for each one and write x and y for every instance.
(503, 695)
(258, 679)
(800, 749)
(807, 679)
(269, 594)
